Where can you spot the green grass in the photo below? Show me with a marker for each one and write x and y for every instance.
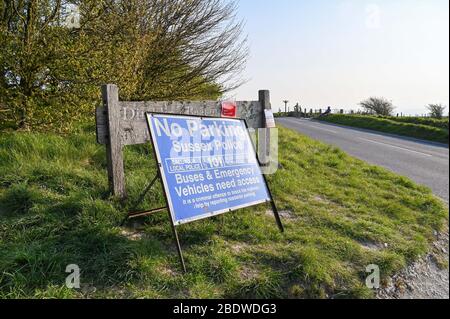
(428, 121)
(400, 126)
(338, 211)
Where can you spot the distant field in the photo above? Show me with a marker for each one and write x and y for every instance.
(422, 128)
(340, 213)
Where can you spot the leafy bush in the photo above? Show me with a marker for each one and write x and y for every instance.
(153, 50)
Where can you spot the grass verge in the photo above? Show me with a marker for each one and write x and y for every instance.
(428, 121)
(340, 213)
(392, 126)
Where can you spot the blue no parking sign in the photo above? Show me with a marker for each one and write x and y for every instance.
(208, 166)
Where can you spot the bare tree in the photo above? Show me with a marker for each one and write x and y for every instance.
(378, 106)
(436, 110)
(201, 34)
(175, 47)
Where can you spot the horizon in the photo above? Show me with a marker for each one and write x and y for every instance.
(338, 53)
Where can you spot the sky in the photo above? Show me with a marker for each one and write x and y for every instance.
(339, 52)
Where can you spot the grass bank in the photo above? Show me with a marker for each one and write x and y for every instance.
(340, 215)
(439, 123)
(432, 131)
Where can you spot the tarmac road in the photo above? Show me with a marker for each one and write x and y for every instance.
(424, 162)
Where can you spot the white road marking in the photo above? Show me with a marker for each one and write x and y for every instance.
(324, 129)
(312, 126)
(397, 147)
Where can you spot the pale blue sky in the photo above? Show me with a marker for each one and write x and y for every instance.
(338, 52)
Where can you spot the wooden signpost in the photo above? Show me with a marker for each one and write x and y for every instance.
(122, 123)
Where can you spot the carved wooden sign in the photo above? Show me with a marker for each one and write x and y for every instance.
(133, 127)
(124, 123)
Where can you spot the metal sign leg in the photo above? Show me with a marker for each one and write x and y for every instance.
(147, 189)
(277, 216)
(149, 212)
(177, 241)
(274, 207)
(140, 200)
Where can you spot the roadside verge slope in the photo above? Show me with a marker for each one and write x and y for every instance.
(341, 215)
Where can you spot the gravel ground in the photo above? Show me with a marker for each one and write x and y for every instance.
(428, 278)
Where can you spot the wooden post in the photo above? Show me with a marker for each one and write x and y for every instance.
(264, 99)
(114, 147)
(264, 133)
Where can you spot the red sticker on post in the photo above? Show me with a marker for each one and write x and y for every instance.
(229, 109)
